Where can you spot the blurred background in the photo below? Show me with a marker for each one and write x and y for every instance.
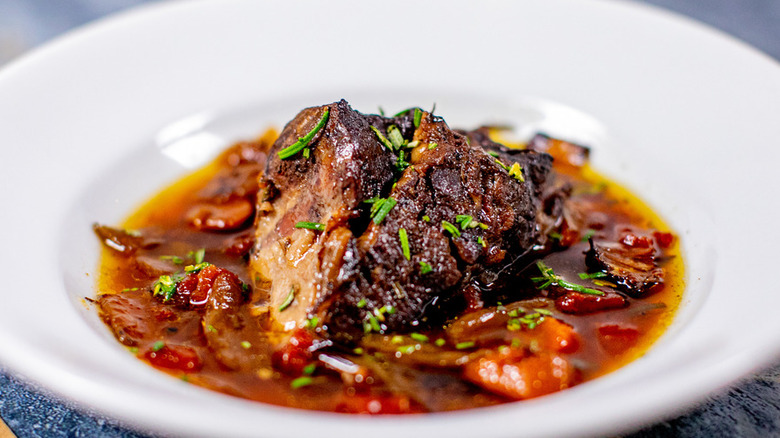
(750, 409)
(25, 24)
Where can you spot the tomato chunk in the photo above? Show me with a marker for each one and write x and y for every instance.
(377, 405)
(518, 375)
(174, 357)
(295, 354)
(617, 339)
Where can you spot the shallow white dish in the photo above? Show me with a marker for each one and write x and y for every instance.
(95, 122)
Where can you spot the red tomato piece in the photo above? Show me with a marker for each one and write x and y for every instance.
(617, 339)
(174, 357)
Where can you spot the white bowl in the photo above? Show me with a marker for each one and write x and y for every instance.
(96, 122)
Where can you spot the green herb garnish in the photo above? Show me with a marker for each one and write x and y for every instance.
(464, 345)
(246, 345)
(432, 145)
(197, 256)
(404, 243)
(516, 172)
(288, 300)
(157, 346)
(407, 349)
(395, 137)
(166, 286)
(419, 337)
(417, 117)
(425, 268)
(309, 369)
(362, 303)
(382, 139)
(316, 226)
(194, 269)
(300, 382)
(303, 142)
(585, 276)
(452, 229)
(588, 235)
(381, 208)
(549, 278)
(175, 259)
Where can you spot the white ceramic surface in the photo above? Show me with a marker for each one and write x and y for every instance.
(94, 123)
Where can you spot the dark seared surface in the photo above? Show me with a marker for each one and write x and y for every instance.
(454, 178)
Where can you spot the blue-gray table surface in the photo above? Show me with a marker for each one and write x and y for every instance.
(749, 409)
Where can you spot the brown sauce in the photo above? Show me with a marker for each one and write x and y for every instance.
(385, 373)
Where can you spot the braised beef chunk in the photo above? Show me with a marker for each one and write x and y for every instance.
(449, 220)
(631, 263)
(227, 203)
(327, 186)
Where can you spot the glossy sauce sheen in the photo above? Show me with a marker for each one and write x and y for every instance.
(174, 340)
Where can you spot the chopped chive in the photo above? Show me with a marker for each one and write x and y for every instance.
(312, 322)
(543, 311)
(481, 241)
(175, 259)
(316, 226)
(404, 243)
(452, 229)
(432, 145)
(300, 382)
(407, 349)
(309, 369)
(197, 256)
(397, 339)
(464, 345)
(588, 235)
(304, 141)
(493, 154)
(246, 345)
(358, 350)
(425, 268)
(419, 337)
(194, 269)
(157, 346)
(390, 310)
(165, 286)
(417, 117)
(383, 210)
(440, 342)
(395, 137)
(550, 278)
(381, 111)
(306, 152)
(374, 323)
(401, 113)
(585, 276)
(400, 162)
(210, 328)
(382, 138)
(516, 172)
(287, 301)
(362, 303)
(503, 166)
